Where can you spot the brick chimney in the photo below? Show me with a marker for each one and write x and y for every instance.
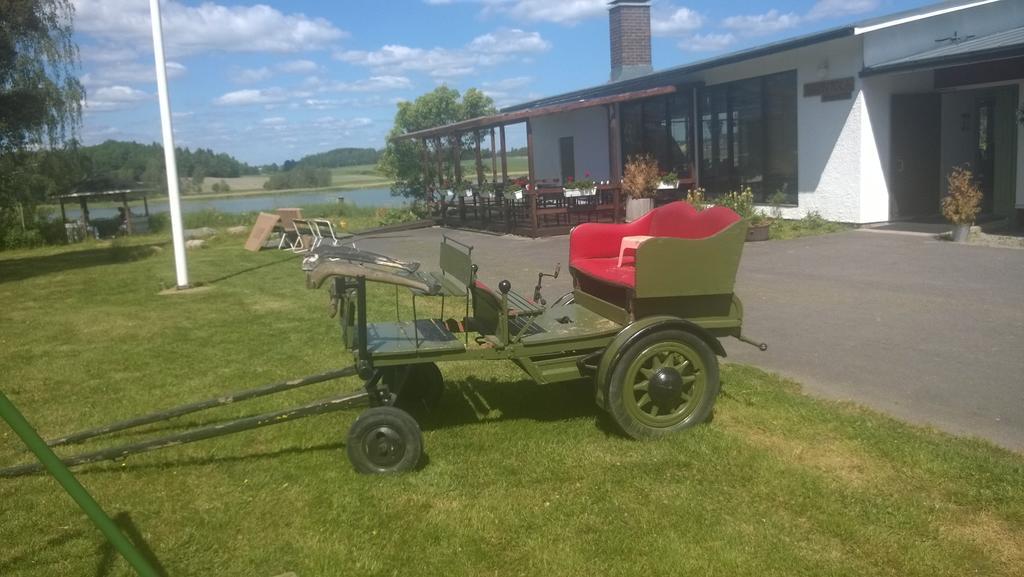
(630, 26)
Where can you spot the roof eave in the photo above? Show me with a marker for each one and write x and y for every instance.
(999, 53)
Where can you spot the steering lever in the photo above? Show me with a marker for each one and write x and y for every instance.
(537, 298)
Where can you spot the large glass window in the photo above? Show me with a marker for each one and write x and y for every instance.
(660, 127)
(749, 136)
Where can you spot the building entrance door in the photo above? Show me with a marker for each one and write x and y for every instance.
(914, 170)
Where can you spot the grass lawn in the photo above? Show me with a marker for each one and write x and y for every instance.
(521, 479)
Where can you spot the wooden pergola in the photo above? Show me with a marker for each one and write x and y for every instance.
(540, 205)
(123, 195)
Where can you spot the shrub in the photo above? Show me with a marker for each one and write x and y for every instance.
(814, 221)
(15, 237)
(641, 176)
(776, 200)
(962, 204)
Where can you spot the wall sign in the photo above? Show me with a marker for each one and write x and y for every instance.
(829, 90)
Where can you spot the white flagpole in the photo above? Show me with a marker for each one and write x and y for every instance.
(174, 200)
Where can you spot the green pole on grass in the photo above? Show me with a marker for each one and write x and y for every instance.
(75, 489)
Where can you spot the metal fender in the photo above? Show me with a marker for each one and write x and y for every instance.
(635, 331)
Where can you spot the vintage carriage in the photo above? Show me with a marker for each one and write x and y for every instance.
(643, 326)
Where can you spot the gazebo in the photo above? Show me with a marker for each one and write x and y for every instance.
(124, 195)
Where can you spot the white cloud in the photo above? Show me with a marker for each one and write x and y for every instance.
(707, 42)
(98, 53)
(206, 27)
(507, 91)
(320, 103)
(509, 40)
(824, 9)
(485, 50)
(129, 73)
(566, 12)
(560, 11)
(372, 84)
(274, 120)
(109, 98)
(759, 24)
(297, 66)
(271, 97)
(251, 75)
(252, 96)
(678, 21)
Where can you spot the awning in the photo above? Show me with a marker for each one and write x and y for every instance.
(1006, 44)
(141, 192)
(506, 118)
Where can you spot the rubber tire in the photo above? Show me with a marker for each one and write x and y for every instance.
(422, 390)
(705, 404)
(384, 421)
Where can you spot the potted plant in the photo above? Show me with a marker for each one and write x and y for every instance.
(464, 189)
(669, 181)
(640, 181)
(962, 203)
(585, 187)
(512, 190)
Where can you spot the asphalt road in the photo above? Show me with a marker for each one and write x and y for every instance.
(928, 331)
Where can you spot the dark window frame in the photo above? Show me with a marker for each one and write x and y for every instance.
(719, 118)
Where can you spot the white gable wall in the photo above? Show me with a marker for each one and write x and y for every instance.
(589, 129)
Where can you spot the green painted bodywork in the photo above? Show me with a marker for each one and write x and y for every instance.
(548, 343)
(682, 267)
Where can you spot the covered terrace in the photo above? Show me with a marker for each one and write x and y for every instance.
(543, 208)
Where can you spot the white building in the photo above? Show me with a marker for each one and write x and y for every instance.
(859, 123)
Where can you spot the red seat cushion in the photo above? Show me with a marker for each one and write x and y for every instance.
(590, 245)
(672, 219)
(707, 223)
(606, 269)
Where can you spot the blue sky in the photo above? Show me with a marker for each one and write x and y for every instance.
(277, 80)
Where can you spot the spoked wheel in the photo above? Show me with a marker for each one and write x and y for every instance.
(422, 389)
(384, 440)
(663, 383)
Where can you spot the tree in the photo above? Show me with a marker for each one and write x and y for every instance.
(40, 108)
(402, 160)
(40, 97)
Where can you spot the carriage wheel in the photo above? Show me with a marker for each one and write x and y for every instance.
(422, 389)
(384, 440)
(663, 383)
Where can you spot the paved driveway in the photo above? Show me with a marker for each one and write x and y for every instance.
(928, 331)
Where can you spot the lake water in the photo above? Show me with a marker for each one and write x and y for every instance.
(264, 202)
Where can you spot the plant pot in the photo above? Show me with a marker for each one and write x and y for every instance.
(961, 232)
(637, 207)
(758, 232)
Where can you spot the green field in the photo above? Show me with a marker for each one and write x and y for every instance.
(520, 480)
(362, 176)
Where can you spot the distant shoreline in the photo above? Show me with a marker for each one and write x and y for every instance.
(235, 194)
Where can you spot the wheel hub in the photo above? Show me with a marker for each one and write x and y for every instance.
(666, 388)
(384, 446)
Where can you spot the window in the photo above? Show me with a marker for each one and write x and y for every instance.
(568, 158)
(661, 127)
(749, 136)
